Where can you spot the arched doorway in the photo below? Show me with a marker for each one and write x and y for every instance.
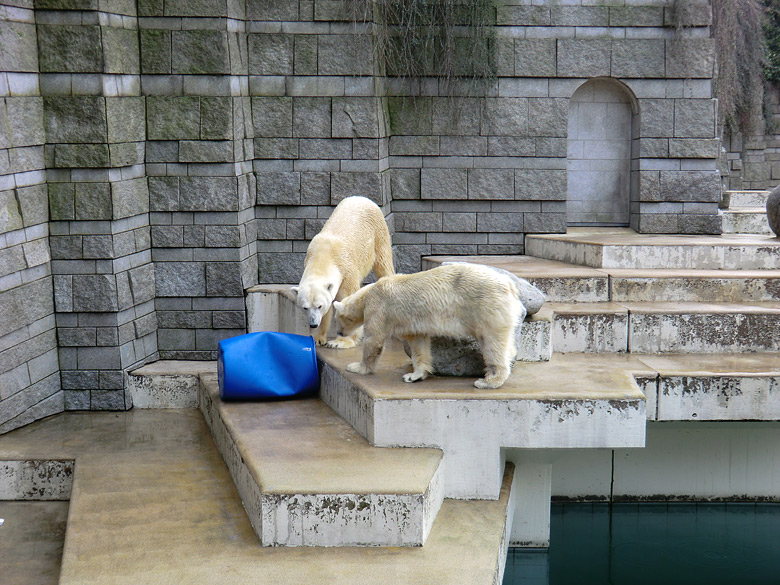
(599, 154)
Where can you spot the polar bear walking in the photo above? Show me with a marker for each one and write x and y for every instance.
(455, 300)
(353, 241)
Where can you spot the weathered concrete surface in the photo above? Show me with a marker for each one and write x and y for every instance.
(308, 479)
(754, 198)
(745, 221)
(573, 401)
(151, 485)
(588, 327)
(168, 383)
(708, 286)
(716, 387)
(703, 328)
(31, 541)
(624, 248)
(41, 480)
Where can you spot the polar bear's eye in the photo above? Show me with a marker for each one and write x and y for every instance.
(319, 306)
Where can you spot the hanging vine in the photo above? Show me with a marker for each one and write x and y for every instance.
(451, 41)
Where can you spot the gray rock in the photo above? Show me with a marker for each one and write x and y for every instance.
(773, 210)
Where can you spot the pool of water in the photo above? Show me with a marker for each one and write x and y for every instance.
(654, 543)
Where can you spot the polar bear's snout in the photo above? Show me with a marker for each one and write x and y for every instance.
(315, 317)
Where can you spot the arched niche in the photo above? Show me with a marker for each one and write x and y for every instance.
(601, 119)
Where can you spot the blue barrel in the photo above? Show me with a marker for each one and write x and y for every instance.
(267, 365)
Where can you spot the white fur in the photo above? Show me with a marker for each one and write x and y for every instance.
(353, 241)
(451, 301)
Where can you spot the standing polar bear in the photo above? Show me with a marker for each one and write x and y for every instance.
(455, 300)
(352, 242)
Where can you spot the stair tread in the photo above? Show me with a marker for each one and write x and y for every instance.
(660, 307)
(532, 267)
(303, 447)
(605, 377)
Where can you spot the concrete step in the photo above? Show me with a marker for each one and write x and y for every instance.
(576, 401)
(747, 198)
(680, 327)
(745, 220)
(569, 283)
(720, 387)
(308, 479)
(624, 248)
(153, 502)
(327, 487)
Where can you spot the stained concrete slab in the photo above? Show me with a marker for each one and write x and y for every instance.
(307, 478)
(153, 502)
(31, 540)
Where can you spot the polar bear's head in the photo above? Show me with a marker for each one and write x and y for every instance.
(350, 312)
(315, 298)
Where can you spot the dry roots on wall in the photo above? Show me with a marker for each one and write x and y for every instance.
(451, 40)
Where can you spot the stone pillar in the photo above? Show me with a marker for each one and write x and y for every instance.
(201, 187)
(29, 371)
(101, 259)
(532, 487)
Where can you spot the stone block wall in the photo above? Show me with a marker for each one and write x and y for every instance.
(752, 159)
(159, 157)
(29, 372)
(95, 124)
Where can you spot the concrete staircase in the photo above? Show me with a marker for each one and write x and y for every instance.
(745, 213)
(377, 481)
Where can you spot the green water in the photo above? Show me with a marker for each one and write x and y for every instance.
(636, 544)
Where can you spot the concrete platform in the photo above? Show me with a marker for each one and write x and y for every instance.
(624, 248)
(308, 479)
(153, 502)
(584, 401)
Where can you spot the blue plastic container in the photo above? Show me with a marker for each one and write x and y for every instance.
(267, 365)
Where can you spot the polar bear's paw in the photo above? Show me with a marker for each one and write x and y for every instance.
(341, 343)
(483, 384)
(414, 377)
(320, 340)
(358, 368)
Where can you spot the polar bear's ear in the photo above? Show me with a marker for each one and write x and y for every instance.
(295, 289)
(338, 306)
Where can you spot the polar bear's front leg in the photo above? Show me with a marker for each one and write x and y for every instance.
(372, 349)
(320, 334)
(420, 348)
(498, 352)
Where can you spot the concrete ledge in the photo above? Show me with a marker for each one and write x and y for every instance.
(745, 220)
(307, 479)
(624, 248)
(36, 480)
(573, 401)
(167, 383)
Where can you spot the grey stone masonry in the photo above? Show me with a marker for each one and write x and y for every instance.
(159, 158)
(95, 121)
(29, 368)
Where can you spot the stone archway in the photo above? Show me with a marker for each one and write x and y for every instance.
(599, 154)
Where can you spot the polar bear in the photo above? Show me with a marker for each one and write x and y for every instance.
(353, 241)
(456, 300)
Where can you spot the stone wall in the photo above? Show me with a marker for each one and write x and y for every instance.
(159, 157)
(29, 372)
(752, 159)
